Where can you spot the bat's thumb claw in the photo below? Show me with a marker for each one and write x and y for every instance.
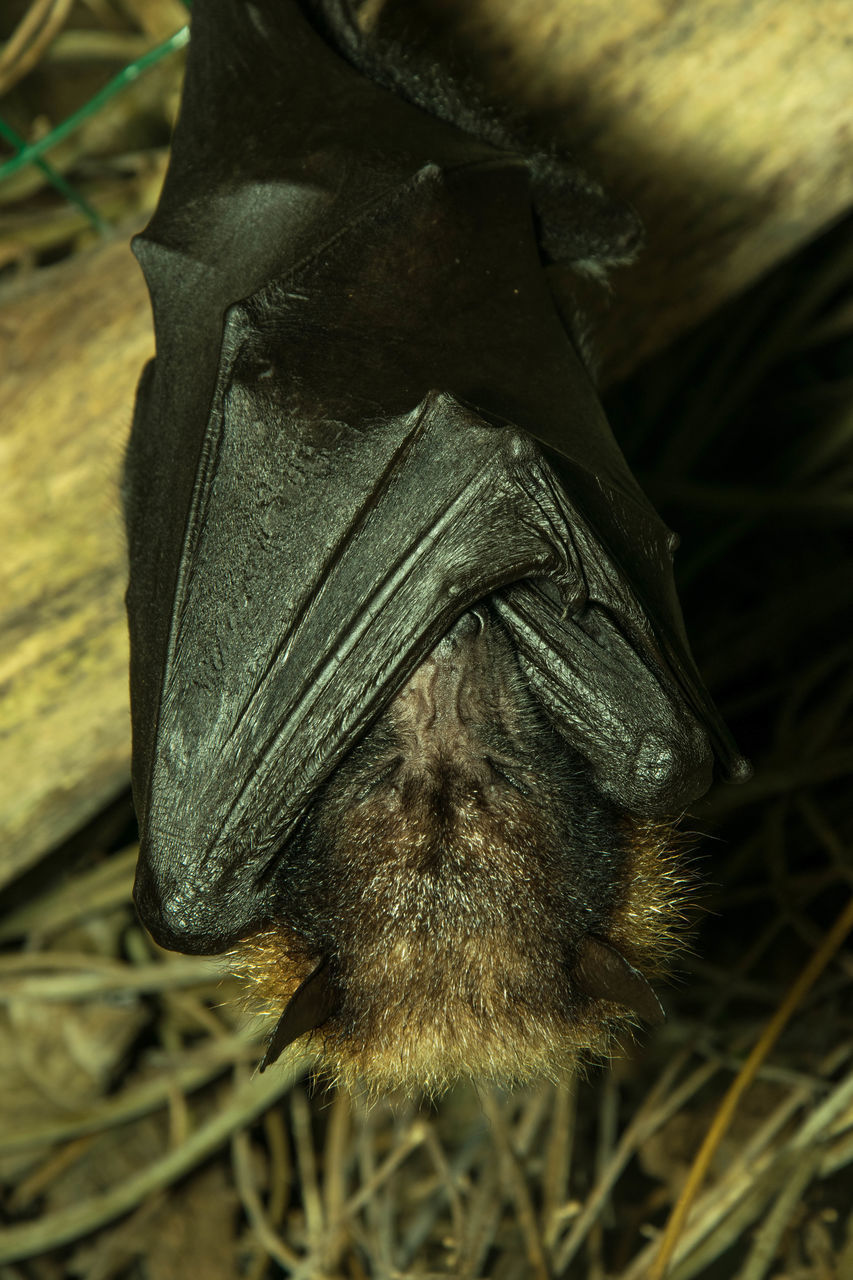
(603, 973)
(311, 1005)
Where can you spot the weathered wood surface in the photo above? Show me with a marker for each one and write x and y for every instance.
(70, 353)
(728, 126)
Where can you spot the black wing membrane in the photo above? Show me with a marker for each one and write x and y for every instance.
(364, 415)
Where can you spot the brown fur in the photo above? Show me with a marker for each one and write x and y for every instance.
(465, 862)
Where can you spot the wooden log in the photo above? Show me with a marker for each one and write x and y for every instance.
(71, 348)
(728, 126)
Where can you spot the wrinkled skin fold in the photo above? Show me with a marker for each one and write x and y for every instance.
(368, 449)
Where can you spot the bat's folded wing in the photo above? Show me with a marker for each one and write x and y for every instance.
(310, 591)
(364, 417)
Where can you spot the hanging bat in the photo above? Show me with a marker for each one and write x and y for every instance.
(413, 706)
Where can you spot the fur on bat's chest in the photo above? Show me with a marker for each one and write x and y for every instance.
(461, 884)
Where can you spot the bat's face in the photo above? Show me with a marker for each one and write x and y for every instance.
(471, 901)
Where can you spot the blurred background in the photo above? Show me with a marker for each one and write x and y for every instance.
(136, 1140)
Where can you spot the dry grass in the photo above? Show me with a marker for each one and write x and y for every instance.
(54, 57)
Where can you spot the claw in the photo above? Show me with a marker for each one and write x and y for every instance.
(311, 1005)
(602, 972)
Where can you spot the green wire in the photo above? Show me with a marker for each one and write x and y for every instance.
(32, 154)
(56, 178)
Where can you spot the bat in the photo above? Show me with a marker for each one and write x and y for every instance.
(414, 712)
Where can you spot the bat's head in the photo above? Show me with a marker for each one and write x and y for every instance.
(461, 899)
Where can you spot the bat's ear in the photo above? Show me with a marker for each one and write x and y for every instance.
(601, 971)
(312, 1004)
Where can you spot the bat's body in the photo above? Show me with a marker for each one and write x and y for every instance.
(410, 685)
